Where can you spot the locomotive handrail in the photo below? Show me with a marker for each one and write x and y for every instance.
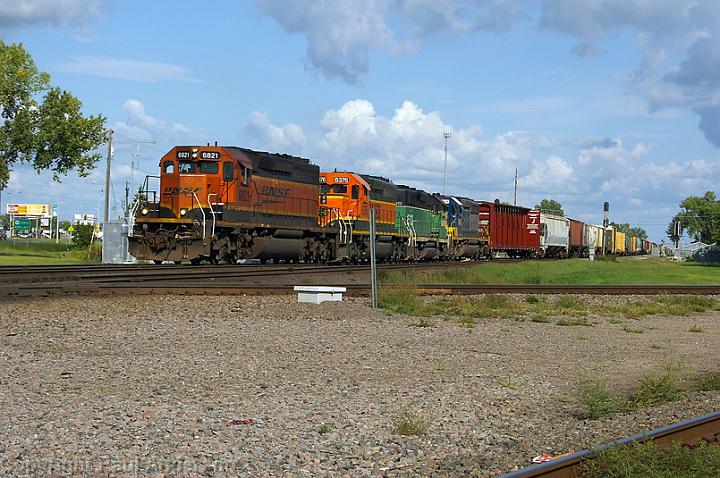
(202, 211)
(212, 211)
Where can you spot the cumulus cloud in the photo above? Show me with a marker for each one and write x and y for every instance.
(290, 137)
(138, 125)
(407, 146)
(19, 13)
(126, 69)
(677, 39)
(341, 33)
(665, 30)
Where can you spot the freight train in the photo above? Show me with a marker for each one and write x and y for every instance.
(226, 203)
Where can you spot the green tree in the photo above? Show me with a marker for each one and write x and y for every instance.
(550, 206)
(638, 232)
(82, 235)
(42, 124)
(700, 217)
(4, 221)
(65, 224)
(671, 230)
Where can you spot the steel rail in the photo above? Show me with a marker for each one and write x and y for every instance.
(689, 433)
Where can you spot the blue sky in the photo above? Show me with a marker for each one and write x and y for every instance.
(593, 100)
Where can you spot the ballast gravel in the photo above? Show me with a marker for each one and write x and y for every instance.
(263, 386)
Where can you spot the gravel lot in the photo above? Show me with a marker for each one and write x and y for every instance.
(128, 387)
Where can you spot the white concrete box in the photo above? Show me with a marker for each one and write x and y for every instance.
(317, 294)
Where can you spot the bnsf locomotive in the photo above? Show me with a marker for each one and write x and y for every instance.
(223, 203)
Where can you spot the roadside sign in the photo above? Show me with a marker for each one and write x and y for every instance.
(22, 224)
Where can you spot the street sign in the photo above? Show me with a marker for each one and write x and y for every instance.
(22, 224)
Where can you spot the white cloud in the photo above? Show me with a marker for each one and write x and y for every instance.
(18, 13)
(289, 137)
(407, 146)
(341, 33)
(126, 69)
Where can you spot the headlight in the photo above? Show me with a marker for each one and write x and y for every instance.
(183, 211)
(144, 211)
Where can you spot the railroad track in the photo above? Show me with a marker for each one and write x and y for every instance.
(688, 433)
(253, 284)
(136, 273)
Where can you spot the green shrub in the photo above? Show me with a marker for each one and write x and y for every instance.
(82, 235)
(648, 460)
(402, 301)
(411, 424)
(658, 387)
(597, 400)
(707, 381)
(574, 322)
(569, 302)
(536, 299)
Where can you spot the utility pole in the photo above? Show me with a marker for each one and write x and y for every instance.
(516, 184)
(107, 176)
(373, 267)
(136, 156)
(446, 135)
(678, 232)
(127, 203)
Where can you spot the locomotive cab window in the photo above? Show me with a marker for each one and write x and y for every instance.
(339, 188)
(246, 176)
(186, 167)
(208, 167)
(169, 167)
(228, 172)
(355, 191)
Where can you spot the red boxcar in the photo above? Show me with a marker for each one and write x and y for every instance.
(576, 237)
(514, 230)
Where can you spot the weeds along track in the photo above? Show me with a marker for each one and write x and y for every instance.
(688, 433)
(282, 282)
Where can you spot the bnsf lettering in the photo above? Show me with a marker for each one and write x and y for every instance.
(278, 192)
(181, 190)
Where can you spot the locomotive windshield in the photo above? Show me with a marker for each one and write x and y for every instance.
(208, 167)
(339, 188)
(325, 188)
(186, 167)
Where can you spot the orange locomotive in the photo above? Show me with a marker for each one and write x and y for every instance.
(347, 198)
(229, 203)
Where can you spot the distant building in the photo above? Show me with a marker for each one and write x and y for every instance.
(84, 219)
(689, 250)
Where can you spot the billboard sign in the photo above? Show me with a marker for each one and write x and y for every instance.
(29, 209)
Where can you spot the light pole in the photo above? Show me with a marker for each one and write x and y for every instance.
(446, 135)
(136, 156)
